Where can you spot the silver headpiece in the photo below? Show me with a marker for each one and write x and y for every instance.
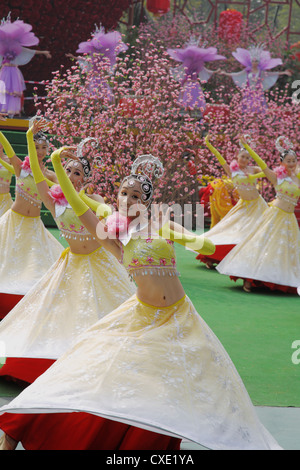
(6, 20)
(194, 41)
(288, 146)
(144, 169)
(85, 163)
(256, 51)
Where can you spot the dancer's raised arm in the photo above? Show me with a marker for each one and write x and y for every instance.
(81, 209)
(270, 174)
(217, 154)
(11, 154)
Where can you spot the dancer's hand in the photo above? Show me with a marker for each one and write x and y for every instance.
(68, 152)
(243, 140)
(47, 54)
(39, 125)
(3, 117)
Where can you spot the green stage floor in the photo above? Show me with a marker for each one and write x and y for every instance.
(257, 330)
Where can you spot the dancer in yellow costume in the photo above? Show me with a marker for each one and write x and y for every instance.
(235, 226)
(82, 286)
(270, 254)
(28, 249)
(150, 365)
(222, 200)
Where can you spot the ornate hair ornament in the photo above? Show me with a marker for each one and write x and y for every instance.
(144, 169)
(84, 162)
(6, 20)
(288, 148)
(256, 51)
(40, 138)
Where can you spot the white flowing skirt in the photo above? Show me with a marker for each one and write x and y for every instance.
(237, 223)
(76, 292)
(5, 203)
(160, 369)
(28, 250)
(270, 253)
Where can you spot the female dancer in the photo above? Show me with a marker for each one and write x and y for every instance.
(28, 249)
(13, 37)
(151, 363)
(235, 226)
(256, 77)
(270, 254)
(84, 284)
(192, 68)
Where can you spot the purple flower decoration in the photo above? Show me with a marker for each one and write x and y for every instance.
(193, 59)
(247, 56)
(14, 36)
(108, 45)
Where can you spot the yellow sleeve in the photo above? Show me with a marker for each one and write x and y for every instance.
(67, 187)
(256, 157)
(101, 210)
(7, 147)
(33, 158)
(215, 151)
(8, 166)
(197, 243)
(257, 175)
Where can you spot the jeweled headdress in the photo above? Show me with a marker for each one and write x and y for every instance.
(83, 160)
(144, 169)
(41, 138)
(286, 149)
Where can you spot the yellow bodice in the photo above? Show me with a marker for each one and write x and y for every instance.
(26, 188)
(288, 191)
(143, 256)
(5, 177)
(244, 182)
(71, 227)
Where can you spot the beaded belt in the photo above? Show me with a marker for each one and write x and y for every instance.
(286, 198)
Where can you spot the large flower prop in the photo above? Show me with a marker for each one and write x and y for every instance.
(13, 37)
(193, 59)
(107, 45)
(246, 57)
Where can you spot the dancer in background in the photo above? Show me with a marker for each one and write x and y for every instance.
(149, 373)
(256, 77)
(270, 254)
(223, 196)
(97, 53)
(15, 37)
(84, 284)
(28, 249)
(193, 58)
(237, 223)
